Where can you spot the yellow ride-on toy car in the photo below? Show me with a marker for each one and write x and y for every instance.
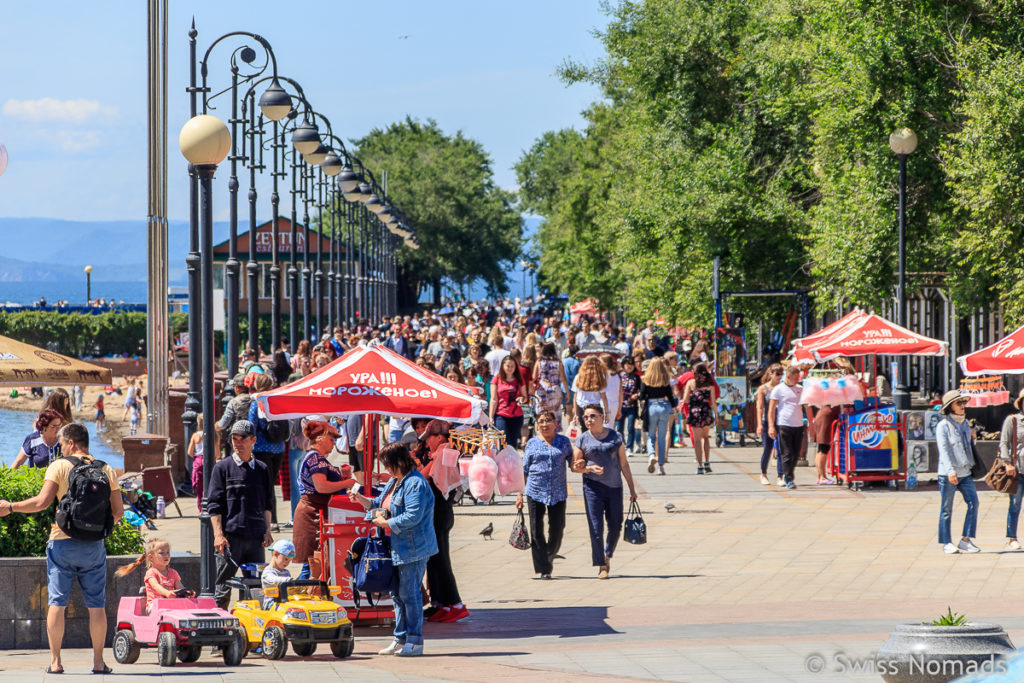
(299, 612)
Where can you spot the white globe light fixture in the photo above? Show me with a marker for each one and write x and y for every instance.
(204, 140)
(903, 141)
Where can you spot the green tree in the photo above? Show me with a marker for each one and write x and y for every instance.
(467, 227)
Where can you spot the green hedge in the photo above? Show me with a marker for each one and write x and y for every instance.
(24, 535)
(78, 334)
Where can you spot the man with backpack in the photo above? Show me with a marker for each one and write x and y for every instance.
(236, 409)
(89, 501)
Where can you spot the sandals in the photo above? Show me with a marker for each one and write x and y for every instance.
(105, 670)
(54, 671)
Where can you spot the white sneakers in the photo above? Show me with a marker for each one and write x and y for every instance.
(1013, 544)
(764, 480)
(950, 549)
(651, 462)
(400, 650)
(410, 650)
(967, 547)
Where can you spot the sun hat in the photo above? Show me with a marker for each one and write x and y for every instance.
(1020, 396)
(951, 397)
(284, 546)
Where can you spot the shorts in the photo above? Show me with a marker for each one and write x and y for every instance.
(68, 559)
(99, 415)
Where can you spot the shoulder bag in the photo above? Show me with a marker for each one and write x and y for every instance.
(998, 478)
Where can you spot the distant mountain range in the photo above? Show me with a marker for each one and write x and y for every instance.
(53, 250)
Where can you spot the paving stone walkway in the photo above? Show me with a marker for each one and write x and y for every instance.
(739, 582)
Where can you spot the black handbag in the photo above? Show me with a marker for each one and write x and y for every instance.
(520, 537)
(635, 531)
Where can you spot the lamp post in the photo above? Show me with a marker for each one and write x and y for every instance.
(275, 104)
(88, 284)
(903, 142)
(205, 141)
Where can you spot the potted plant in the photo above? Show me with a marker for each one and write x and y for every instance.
(941, 650)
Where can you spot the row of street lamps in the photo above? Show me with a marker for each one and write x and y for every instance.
(324, 174)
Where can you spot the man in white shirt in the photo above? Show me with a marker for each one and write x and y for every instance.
(495, 355)
(584, 337)
(786, 420)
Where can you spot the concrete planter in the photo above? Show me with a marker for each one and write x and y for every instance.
(920, 653)
(23, 609)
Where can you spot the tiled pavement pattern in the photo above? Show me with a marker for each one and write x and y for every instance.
(740, 582)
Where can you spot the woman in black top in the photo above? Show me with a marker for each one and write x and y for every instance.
(656, 393)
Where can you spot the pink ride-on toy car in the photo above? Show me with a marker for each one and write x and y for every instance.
(178, 627)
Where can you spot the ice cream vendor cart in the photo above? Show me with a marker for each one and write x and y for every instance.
(368, 381)
(867, 443)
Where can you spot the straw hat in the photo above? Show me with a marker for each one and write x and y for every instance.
(1016, 403)
(951, 397)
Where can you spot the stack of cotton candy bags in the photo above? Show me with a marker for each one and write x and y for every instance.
(445, 472)
(483, 472)
(510, 472)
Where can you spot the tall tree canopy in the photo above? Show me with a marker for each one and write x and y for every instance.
(467, 227)
(758, 130)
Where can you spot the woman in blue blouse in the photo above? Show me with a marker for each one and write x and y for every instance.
(544, 462)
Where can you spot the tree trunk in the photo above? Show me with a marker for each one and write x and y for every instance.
(437, 291)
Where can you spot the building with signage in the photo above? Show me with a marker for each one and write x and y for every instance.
(264, 244)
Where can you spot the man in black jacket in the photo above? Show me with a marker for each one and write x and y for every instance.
(239, 505)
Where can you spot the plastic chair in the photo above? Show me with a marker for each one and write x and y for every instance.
(159, 482)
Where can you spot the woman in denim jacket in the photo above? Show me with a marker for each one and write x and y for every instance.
(405, 510)
(956, 457)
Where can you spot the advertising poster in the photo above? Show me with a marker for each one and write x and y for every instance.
(731, 403)
(873, 440)
(730, 352)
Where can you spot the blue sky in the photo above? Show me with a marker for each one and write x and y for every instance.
(73, 94)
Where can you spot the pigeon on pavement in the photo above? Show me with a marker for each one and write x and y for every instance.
(669, 507)
(487, 531)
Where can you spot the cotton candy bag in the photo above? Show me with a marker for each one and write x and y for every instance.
(510, 472)
(483, 472)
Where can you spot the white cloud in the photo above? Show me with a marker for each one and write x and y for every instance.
(49, 109)
(78, 141)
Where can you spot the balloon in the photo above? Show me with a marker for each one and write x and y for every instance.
(3, 158)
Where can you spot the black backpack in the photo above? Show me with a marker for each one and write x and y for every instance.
(84, 512)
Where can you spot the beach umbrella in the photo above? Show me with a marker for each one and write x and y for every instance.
(24, 365)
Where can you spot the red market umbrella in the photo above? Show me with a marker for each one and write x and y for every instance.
(871, 335)
(585, 306)
(1005, 357)
(373, 380)
(830, 329)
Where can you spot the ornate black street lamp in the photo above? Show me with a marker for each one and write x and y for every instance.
(903, 142)
(205, 141)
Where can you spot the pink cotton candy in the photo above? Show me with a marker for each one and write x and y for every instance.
(483, 472)
(813, 393)
(449, 457)
(510, 472)
(446, 479)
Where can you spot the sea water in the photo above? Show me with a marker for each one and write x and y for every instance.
(15, 425)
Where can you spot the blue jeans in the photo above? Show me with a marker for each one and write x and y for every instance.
(602, 503)
(409, 602)
(970, 494)
(513, 428)
(768, 444)
(1014, 513)
(626, 426)
(659, 412)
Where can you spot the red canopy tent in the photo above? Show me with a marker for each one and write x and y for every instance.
(1005, 357)
(870, 335)
(373, 380)
(585, 306)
